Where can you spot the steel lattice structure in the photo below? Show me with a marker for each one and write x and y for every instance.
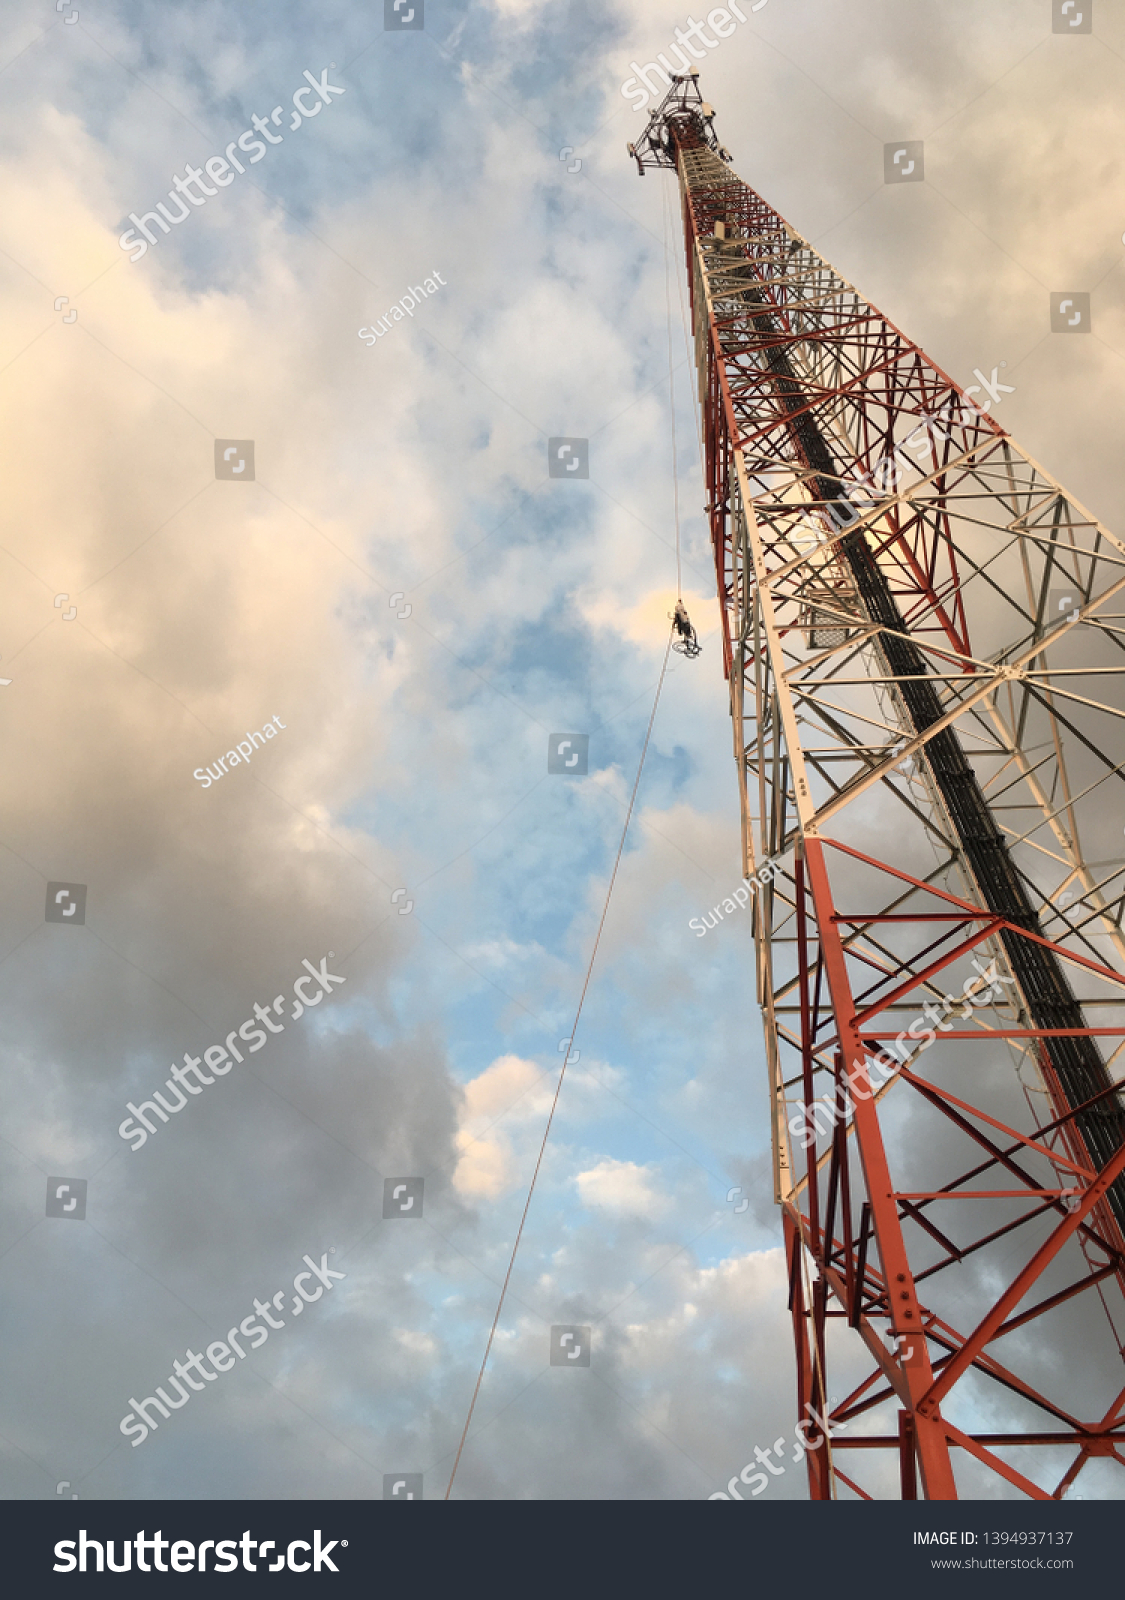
(924, 661)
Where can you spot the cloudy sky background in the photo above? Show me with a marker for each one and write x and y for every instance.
(414, 753)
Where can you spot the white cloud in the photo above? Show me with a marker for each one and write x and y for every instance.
(509, 1093)
(623, 1188)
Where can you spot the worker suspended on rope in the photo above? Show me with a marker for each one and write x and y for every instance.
(687, 644)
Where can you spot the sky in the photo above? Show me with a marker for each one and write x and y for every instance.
(397, 585)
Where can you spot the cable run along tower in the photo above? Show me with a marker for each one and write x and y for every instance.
(924, 640)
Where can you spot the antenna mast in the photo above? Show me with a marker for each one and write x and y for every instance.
(923, 641)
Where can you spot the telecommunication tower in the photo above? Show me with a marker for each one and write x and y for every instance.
(924, 646)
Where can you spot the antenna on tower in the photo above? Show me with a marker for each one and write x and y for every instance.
(908, 603)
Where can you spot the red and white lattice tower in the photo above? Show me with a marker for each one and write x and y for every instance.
(925, 648)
